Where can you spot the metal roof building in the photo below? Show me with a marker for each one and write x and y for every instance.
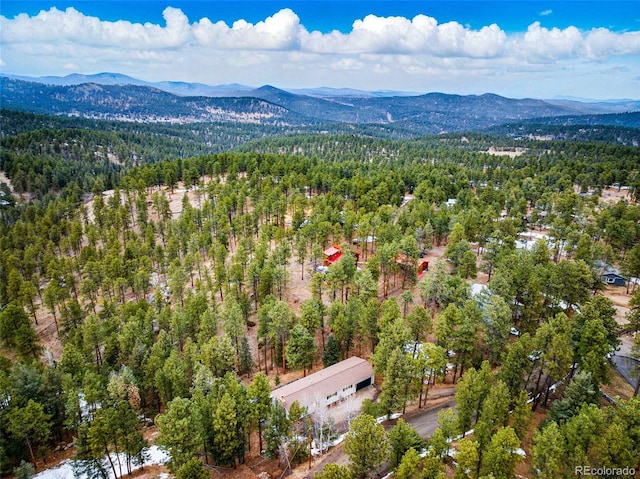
(328, 385)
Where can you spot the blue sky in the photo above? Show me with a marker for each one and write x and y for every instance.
(537, 49)
(511, 16)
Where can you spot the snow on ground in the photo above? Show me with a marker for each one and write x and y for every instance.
(477, 289)
(65, 469)
(5, 179)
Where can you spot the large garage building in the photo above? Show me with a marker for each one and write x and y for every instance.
(328, 385)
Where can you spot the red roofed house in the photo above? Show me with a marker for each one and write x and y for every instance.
(332, 254)
(327, 386)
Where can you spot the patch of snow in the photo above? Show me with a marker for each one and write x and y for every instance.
(477, 289)
(65, 470)
(382, 419)
(520, 452)
(457, 438)
(316, 450)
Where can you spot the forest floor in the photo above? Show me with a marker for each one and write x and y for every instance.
(620, 298)
(25, 196)
(613, 195)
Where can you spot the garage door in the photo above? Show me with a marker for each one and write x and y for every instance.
(363, 384)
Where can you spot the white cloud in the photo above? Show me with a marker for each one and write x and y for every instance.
(540, 43)
(378, 52)
(600, 43)
(420, 35)
(546, 13)
(56, 26)
(550, 44)
(284, 32)
(278, 32)
(347, 64)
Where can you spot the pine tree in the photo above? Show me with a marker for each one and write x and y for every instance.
(580, 391)
(179, 432)
(497, 328)
(225, 425)
(409, 466)
(89, 456)
(397, 378)
(366, 445)
(493, 416)
(521, 415)
(331, 353)
(246, 363)
(431, 362)
(549, 452)
(516, 365)
(259, 393)
(471, 392)
(440, 441)
(24, 471)
(467, 458)
(402, 438)
(333, 471)
(278, 430)
(501, 457)
(301, 349)
(192, 469)
(31, 425)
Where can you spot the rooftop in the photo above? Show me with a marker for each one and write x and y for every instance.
(331, 251)
(324, 382)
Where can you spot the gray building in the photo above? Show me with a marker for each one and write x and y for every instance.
(327, 386)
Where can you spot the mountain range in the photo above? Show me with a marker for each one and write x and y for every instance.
(119, 97)
(199, 89)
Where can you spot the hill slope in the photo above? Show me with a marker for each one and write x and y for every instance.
(136, 103)
(430, 113)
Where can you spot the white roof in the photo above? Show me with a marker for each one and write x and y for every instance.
(324, 382)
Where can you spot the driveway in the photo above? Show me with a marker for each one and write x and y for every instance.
(425, 421)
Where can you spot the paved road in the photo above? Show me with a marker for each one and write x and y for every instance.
(427, 422)
(624, 364)
(625, 345)
(627, 367)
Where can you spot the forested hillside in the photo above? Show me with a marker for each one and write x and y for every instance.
(150, 281)
(432, 113)
(620, 128)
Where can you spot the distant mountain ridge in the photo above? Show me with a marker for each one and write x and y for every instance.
(174, 87)
(198, 89)
(137, 103)
(117, 97)
(237, 89)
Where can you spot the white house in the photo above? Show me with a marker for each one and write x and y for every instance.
(328, 385)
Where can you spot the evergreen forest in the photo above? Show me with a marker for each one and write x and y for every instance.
(158, 281)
